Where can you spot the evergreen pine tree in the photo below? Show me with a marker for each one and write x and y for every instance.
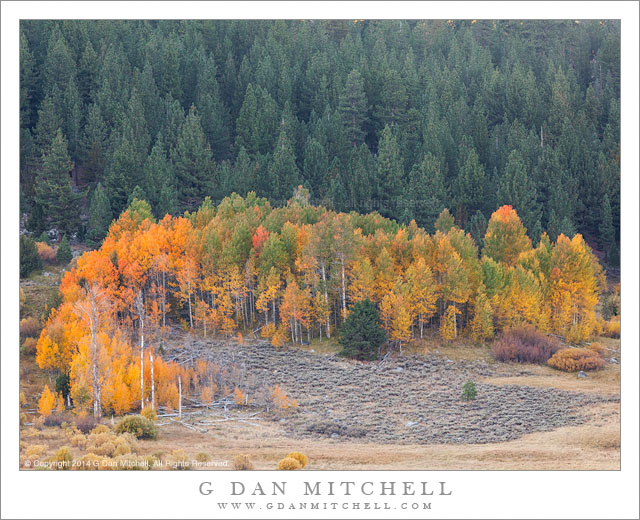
(353, 108)
(283, 171)
(54, 193)
(48, 123)
(29, 258)
(120, 175)
(246, 131)
(361, 334)
(426, 191)
(136, 194)
(100, 215)
(390, 174)
(477, 227)
(193, 161)
(28, 83)
(607, 231)
(160, 181)
(244, 172)
(517, 189)
(471, 184)
(64, 253)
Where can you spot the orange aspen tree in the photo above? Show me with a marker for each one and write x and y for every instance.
(93, 309)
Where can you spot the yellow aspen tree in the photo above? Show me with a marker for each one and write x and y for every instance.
(362, 282)
(421, 291)
(47, 402)
(448, 328)
(506, 237)
(482, 323)
(401, 323)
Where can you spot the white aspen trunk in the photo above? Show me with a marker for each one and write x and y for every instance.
(153, 383)
(273, 307)
(344, 292)
(141, 369)
(95, 379)
(190, 315)
(179, 396)
(326, 299)
(455, 321)
(140, 309)
(164, 301)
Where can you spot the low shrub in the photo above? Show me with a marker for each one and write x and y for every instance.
(140, 427)
(524, 345)
(180, 460)
(29, 346)
(242, 463)
(55, 419)
(62, 458)
(598, 348)
(85, 423)
(35, 451)
(91, 461)
(149, 413)
(106, 449)
(131, 463)
(202, 457)
(288, 464)
(611, 328)
(78, 440)
(29, 326)
(300, 457)
(100, 428)
(46, 252)
(575, 359)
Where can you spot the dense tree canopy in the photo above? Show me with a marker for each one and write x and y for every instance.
(406, 117)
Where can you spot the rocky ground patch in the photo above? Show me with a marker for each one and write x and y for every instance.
(405, 400)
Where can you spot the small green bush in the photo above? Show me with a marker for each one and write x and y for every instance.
(64, 254)
(140, 427)
(469, 391)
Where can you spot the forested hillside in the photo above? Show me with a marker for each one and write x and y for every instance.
(402, 117)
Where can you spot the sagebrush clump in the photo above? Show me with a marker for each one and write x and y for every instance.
(300, 457)
(524, 345)
(289, 463)
(139, 426)
(242, 463)
(576, 359)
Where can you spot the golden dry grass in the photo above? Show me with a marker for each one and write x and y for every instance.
(595, 445)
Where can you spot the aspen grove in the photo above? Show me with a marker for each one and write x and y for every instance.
(291, 274)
